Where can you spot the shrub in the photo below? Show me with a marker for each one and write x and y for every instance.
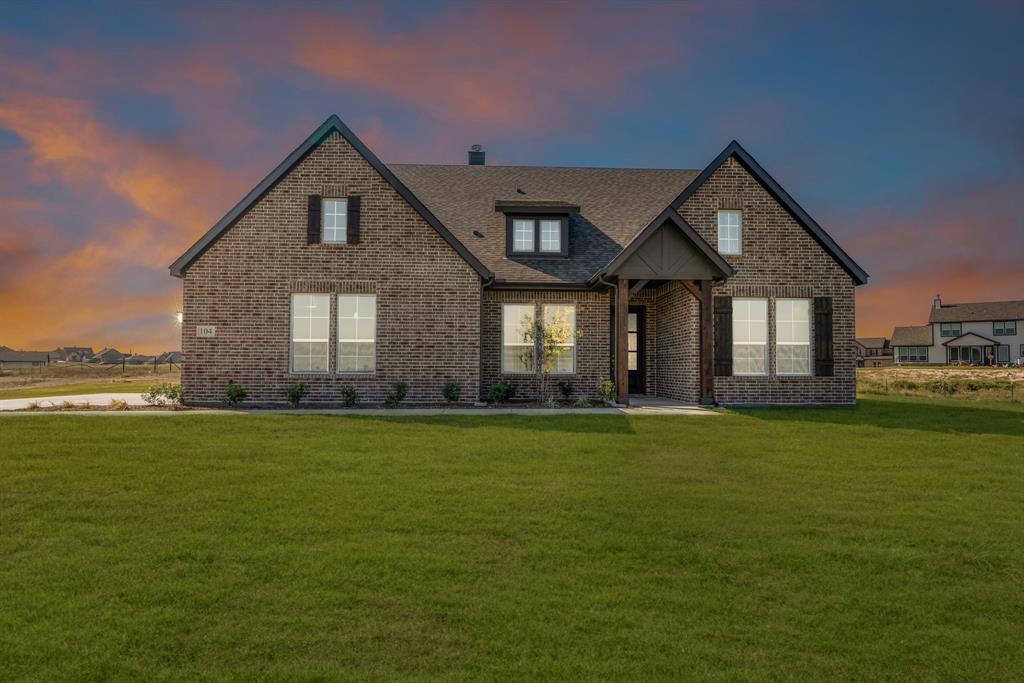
(117, 404)
(502, 391)
(234, 393)
(606, 388)
(67, 405)
(451, 391)
(582, 402)
(295, 393)
(162, 394)
(565, 386)
(349, 396)
(32, 405)
(396, 395)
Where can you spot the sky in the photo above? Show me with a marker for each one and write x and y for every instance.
(127, 130)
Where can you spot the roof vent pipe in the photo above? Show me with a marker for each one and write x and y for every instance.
(476, 155)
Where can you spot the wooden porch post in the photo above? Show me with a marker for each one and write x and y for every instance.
(621, 325)
(707, 390)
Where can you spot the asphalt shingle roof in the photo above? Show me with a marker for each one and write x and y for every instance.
(977, 312)
(872, 342)
(919, 335)
(615, 204)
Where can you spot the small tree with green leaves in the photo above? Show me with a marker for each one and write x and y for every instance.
(554, 338)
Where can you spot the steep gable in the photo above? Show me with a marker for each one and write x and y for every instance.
(734, 154)
(329, 127)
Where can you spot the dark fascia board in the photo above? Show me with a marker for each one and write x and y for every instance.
(669, 214)
(512, 284)
(511, 206)
(331, 125)
(993, 342)
(734, 148)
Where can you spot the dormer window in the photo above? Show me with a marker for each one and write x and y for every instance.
(536, 228)
(538, 235)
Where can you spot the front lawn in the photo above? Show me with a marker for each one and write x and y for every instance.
(880, 543)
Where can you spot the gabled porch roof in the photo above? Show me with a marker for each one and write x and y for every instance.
(668, 249)
(970, 339)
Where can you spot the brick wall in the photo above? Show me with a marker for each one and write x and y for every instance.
(678, 344)
(428, 297)
(593, 349)
(780, 259)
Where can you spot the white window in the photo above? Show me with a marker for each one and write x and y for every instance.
(730, 232)
(750, 336)
(793, 336)
(559, 338)
(335, 220)
(518, 334)
(913, 354)
(551, 236)
(522, 234)
(357, 333)
(311, 316)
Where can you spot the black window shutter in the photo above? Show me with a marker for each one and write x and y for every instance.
(823, 359)
(313, 219)
(723, 335)
(352, 231)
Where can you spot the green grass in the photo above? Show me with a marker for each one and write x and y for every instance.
(881, 543)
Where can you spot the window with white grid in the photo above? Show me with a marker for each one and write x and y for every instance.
(335, 221)
(357, 333)
(793, 336)
(730, 232)
(750, 336)
(311, 316)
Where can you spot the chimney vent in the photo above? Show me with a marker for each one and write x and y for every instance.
(476, 155)
(938, 301)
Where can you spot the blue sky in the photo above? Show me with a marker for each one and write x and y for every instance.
(126, 130)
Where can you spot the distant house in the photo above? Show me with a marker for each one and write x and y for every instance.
(139, 359)
(873, 352)
(964, 333)
(72, 354)
(107, 355)
(12, 358)
(175, 357)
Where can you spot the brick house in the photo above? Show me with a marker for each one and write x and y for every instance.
(337, 270)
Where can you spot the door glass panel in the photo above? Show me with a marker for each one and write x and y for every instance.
(632, 326)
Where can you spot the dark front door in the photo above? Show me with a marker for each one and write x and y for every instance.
(636, 357)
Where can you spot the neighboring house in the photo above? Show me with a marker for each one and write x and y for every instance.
(139, 359)
(708, 285)
(964, 334)
(175, 357)
(72, 354)
(873, 352)
(12, 358)
(107, 355)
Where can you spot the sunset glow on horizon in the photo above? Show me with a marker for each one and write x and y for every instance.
(124, 135)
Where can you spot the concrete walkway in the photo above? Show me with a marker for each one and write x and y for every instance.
(102, 400)
(77, 399)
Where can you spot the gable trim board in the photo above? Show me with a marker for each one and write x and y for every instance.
(734, 149)
(331, 125)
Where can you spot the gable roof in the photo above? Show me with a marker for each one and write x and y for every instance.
(614, 205)
(918, 335)
(711, 260)
(970, 339)
(734, 149)
(981, 311)
(333, 124)
(873, 342)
